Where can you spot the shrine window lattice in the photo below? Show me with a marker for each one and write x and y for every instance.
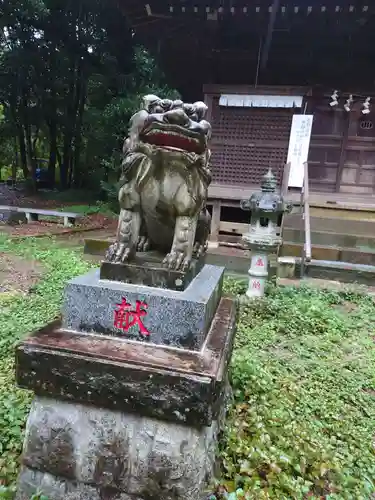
(247, 142)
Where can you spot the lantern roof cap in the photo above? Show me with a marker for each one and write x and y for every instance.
(269, 182)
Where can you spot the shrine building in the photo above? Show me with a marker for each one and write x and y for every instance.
(258, 63)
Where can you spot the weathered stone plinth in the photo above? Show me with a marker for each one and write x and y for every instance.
(180, 319)
(119, 419)
(88, 453)
(157, 381)
(130, 388)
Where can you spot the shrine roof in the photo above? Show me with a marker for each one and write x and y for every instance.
(250, 11)
(283, 42)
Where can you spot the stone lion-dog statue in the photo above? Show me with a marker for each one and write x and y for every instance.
(163, 185)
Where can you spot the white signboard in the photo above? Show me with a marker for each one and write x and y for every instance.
(299, 143)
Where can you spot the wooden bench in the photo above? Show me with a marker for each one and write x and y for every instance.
(32, 214)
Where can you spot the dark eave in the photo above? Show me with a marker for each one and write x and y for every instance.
(302, 42)
(142, 12)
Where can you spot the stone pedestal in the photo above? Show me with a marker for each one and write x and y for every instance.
(178, 318)
(87, 453)
(258, 274)
(149, 271)
(121, 414)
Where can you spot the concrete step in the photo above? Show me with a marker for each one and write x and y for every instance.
(330, 239)
(345, 272)
(363, 227)
(237, 263)
(97, 246)
(341, 271)
(330, 253)
(234, 259)
(342, 212)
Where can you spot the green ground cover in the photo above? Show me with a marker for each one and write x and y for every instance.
(303, 373)
(302, 423)
(96, 208)
(21, 314)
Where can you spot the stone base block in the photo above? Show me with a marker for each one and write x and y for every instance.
(78, 452)
(286, 267)
(147, 270)
(160, 316)
(155, 381)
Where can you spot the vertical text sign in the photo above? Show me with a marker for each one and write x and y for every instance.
(298, 152)
(126, 317)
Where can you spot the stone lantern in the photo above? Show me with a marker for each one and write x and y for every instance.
(267, 208)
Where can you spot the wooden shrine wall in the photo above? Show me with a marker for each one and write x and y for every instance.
(358, 170)
(325, 147)
(342, 150)
(247, 141)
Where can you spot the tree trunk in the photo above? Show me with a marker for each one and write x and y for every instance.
(34, 143)
(20, 138)
(79, 175)
(51, 113)
(31, 160)
(68, 133)
(52, 153)
(76, 126)
(15, 161)
(23, 155)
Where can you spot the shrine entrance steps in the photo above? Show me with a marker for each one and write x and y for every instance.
(342, 244)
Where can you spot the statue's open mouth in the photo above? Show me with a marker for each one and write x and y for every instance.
(174, 137)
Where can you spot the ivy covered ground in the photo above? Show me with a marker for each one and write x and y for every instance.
(21, 313)
(302, 423)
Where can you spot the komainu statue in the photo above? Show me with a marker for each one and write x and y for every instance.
(163, 186)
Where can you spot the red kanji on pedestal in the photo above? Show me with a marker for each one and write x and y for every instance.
(125, 318)
(260, 262)
(256, 285)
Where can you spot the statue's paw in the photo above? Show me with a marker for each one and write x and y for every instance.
(176, 261)
(111, 252)
(199, 250)
(143, 244)
(118, 252)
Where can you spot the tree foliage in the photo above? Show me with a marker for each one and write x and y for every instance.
(70, 77)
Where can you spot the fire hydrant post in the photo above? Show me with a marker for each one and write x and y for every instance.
(267, 208)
